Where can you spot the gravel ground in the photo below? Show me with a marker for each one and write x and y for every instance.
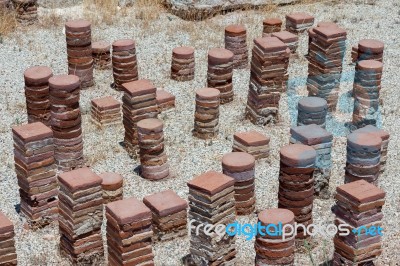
(45, 45)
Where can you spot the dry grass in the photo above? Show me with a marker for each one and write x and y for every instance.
(100, 11)
(148, 10)
(8, 22)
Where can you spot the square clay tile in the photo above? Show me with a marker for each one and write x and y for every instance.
(311, 134)
(270, 44)
(384, 135)
(128, 210)
(106, 103)
(300, 18)
(211, 182)
(165, 203)
(251, 138)
(330, 32)
(80, 179)
(164, 96)
(6, 225)
(361, 191)
(285, 36)
(139, 87)
(33, 132)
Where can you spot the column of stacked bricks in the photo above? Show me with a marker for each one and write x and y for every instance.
(37, 94)
(311, 33)
(299, 22)
(271, 248)
(368, 49)
(321, 140)
(312, 110)
(220, 73)
(165, 100)
(211, 202)
(112, 185)
(366, 90)
(8, 254)
(124, 62)
(358, 207)
(384, 135)
(363, 157)
(153, 159)
(235, 41)
(139, 102)
(206, 116)
(326, 53)
(105, 111)
(36, 173)
(269, 62)
(129, 233)
(79, 49)
(241, 167)
(169, 214)
(296, 183)
(251, 142)
(101, 55)
(81, 216)
(290, 39)
(183, 63)
(66, 121)
(271, 25)
(26, 11)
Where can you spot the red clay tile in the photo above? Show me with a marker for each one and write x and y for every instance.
(32, 132)
(311, 134)
(183, 52)
(78, 25)
(128, 210)
(150, 125)
(80, 179)
(370, 65)
(234, 30)
(139, 87)
(211, 182)
(101, 47)
(361, 191)
(314, 104)
(111, 181)
(285, 36)
(64, 82)
(123, 45)
(238, 161)
(371, 46)
(217, 56)
(364, 141)
(298, 155)
(272, 22)
(251, 138)
(38, 75)
(6, 225)
(276, 216)
(207, 93)
(300, 18)
(164, 96)
(105, 103)
(330, 32)
(165, 203)
(270, 44)
(384, 135)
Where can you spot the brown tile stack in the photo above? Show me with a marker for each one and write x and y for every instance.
(290, 39)
(211, 201)
(220, 72)
(252, 142)
(271, 25)
(241, 167)
(36, 173)
(124, 62)
(101, 55)
(358, 205)
(81, 216)
(366, 92)
(183, 63)
(368, 49)
(235, 41)
(312, 110)
(296, 183)
(363, 157)
(8, 254)
(165, 100)
(274, 250)
(169, 213)
(268, 79)
(206, 116)
(299, 22)
(105, 111)
(326, 54)
(311, 33)
(37, 94)
(112, 186)
(354, 53)
(129, 233)
(139, 102)
(26, 11)
(66, 121)
(153, 159)
(79, 49)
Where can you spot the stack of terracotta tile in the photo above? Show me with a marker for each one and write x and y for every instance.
(8, 254)
(220, 73)
(112, 186)
(153, 159)
(384, 135)
(271, 25)
(358, 206)
(124, 62)
(326, 54)
(311, 32)
(241, 167)
(66, 121)
(105, 111)
(366, 91)
(81, 216)
(235, 41)
(321, 140)
(268, 78)
(139, 102)
(129, 233)
(296, 183)
(36, 173)
(368, 49)
(290, 39)
(169, 212)
(165, 100)
(312, 110)
(299, 22)
(26, 11)
(101, 55)
(271, 248)
(37, 94)
(363, 157)
(206, 116)
(79, 49)
(211, 202)
(183, 63)
(252, 142)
